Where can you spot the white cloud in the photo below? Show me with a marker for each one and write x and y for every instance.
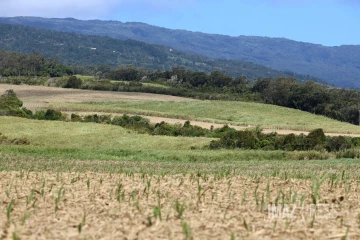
(62, 8)
(84, 9)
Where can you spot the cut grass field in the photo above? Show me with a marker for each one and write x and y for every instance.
(39, 97)
(225, 112)
(146, 84)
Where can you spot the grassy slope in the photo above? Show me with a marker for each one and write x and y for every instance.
(106, 142)
(62, 146)
(240, 113)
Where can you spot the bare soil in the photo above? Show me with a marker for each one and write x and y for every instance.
(104, 206)
(39, 96)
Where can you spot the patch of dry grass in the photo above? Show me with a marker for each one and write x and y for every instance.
(37, 97)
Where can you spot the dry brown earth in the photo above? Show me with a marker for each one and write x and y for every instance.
(53, 206)
(39, 96)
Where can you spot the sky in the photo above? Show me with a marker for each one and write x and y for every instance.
(326, 22)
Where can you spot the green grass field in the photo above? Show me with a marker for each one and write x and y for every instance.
(237, 113)
(84, 78)
(146, 84)
(67, 146)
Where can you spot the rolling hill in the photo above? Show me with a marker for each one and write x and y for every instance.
(339, 66)
(75, 49)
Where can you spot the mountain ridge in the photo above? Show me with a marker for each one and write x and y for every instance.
(77, 49)
(338, 65)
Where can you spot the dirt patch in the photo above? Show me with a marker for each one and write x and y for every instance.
(109, 206)
(40, 96)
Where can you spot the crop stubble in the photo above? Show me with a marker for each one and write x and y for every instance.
(140, 206)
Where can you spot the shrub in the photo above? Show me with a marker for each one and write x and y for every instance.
(166, 129)
(53, 115)
(289, 143)
(335, 144)
(10, 105)
(224, 131)
(222, 143)
(73, 82)
(97, 118)
(75, 118)
(349, 153)
(247, 140)
(9, 99)
(27, 112)
(315, 138)
(39, 115)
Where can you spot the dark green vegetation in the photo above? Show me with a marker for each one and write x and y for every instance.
(10, 105)
(315, 140)
(81, 50)
(18, 64)
(339, 104)
(336, 65)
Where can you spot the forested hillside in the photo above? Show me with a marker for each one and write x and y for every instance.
(339, 66)
(74, 49)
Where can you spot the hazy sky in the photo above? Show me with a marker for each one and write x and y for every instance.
(327, 22)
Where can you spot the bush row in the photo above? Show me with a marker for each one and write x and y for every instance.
(255, 139)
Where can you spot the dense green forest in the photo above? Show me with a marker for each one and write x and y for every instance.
(18, 64)
(74, 49)
(338, 66)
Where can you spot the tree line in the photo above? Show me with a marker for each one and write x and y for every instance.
(336, 103)
(35, 64)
